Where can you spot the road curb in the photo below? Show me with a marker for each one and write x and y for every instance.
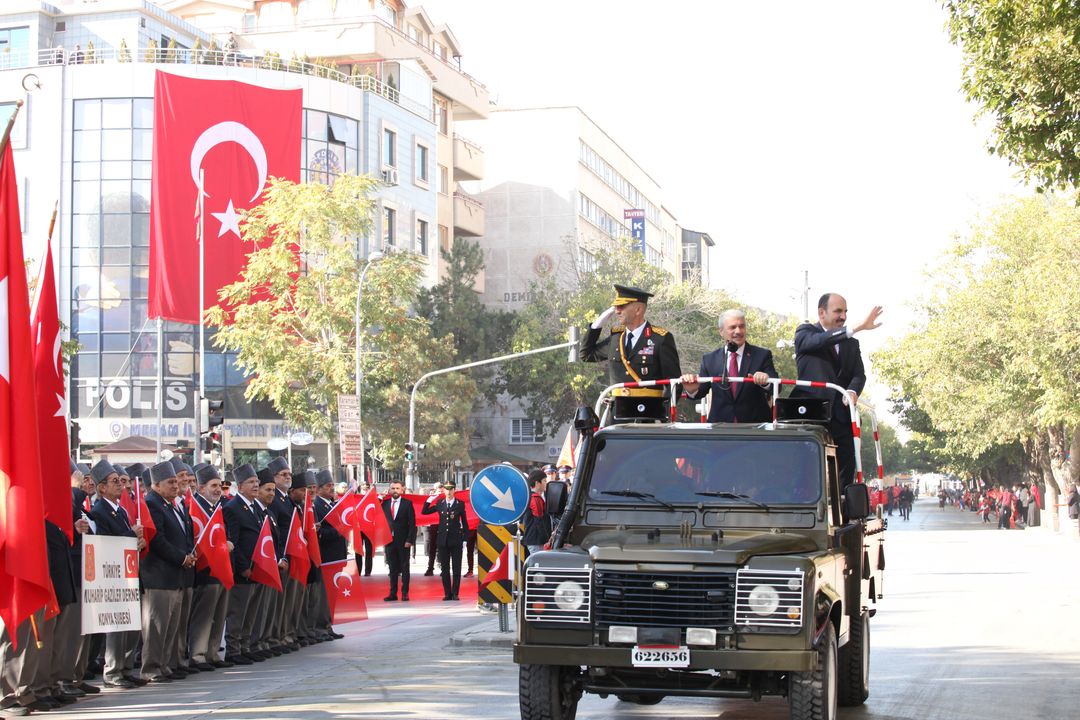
(483, 634)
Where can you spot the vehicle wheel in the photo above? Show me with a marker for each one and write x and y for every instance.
(853, 684)
(547, 692)
(644, 699)
(812, 695)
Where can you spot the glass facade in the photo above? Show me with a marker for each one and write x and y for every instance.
(114, 375)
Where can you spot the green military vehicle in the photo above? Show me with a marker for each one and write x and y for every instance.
(705, 560)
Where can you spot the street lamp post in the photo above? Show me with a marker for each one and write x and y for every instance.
(372, 259)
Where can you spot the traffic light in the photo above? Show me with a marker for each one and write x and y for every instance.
(213, 414)
(420, 451)
(409, 452)
(212, 441)
(74, 439)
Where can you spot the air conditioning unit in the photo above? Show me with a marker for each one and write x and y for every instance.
(389, 176)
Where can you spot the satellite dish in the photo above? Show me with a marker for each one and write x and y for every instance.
(277, 443)
(167, 454)
(301, 438)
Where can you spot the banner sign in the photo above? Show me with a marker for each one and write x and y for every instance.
(110, 588)
(637, 227)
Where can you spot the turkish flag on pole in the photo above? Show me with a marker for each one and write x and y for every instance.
(199, 521)
(24, 567)
(343, 593)
(52, 408)
(371, 520)
(500, 570)
(340, 516)
(310, 533)
(239, 135)
(418, 508)
(264, 567)
(141, 513)
(214, 550)
(296, 549)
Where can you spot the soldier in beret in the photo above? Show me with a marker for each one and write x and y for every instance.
(332, 546)
(210, 599)
(634, 351)
(243, 522)
(293, 599)
(280, 510)
(179, 661)
(111, 519)
(266, 642)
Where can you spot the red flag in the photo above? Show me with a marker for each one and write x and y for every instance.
(214, 550)
(199, 521)
(296, 549)
(341, 515)
(343, 593)
(239, 135)
(418, 506)
(500, 570)
(24, 567)
(264, 564)
(371, 520)
(310, 533)
(52, 408)
(471, 518)
(127, 501)
(142, 517)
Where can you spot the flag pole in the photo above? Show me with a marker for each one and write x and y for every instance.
(160, 387)
(202, 324)
(11, 123)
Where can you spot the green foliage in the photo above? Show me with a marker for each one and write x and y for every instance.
(291, 319)
(997, 358)
(1022, 64)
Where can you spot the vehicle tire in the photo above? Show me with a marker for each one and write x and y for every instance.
(812, 695)
(642, 699)
(853, 683)
(546, 692)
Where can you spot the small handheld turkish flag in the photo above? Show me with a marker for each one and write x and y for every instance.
(199, 520)
(340, 516)
(500, 570)
(296, 549)
(343, 593)
(371, 520)
(214, 549)
(264, 564)
(310, 533)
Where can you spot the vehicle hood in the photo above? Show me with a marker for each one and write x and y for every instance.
(650, 546)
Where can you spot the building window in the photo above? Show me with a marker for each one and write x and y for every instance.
(389, 222)
(388, 13)
(389, 158)
(523, 432)
(444, 238)
(422, 237)
(416, 35)
(442, 116)
(14, 47)
(444, 180)
(439, 49)
(421, 171)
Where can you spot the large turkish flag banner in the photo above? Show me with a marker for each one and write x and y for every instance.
(239, 135)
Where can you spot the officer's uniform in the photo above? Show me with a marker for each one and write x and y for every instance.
(652, 355)
(453, 528)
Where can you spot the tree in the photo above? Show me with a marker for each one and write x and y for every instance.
(291, 316)
(454, 309)
(1022, 64)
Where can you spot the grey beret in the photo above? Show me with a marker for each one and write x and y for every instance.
(102, 470)
(242, 473)
(207, 473)
(162, 471)
(277, 465)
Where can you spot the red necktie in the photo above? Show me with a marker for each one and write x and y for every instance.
(733, 370)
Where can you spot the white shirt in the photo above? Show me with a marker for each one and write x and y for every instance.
(633, 335)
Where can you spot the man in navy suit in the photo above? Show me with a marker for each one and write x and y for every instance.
(827, 351)
(735, 402)
(243, 522)
(210, 599)
(401, 517)
(332, 546)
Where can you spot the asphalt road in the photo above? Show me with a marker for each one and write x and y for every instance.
(977, 623)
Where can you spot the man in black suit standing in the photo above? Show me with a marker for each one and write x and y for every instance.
(280, 509)
(169, 567)
(736, 402)
(452, 531)
(210, 599)
(402, 520)
(243, 522)
(827, 351)
(332, 546)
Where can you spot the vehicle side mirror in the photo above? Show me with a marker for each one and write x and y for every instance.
(856, 501)
(555, 495)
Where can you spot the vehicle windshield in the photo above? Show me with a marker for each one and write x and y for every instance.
(709, 470)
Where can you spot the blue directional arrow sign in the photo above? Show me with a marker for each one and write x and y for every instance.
(499, 494)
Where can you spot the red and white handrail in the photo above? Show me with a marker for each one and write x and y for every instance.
(602, 411)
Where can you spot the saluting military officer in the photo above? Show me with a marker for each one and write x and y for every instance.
(634, 351)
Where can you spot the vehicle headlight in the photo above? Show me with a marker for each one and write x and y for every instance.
(569, 595)
(764, 600)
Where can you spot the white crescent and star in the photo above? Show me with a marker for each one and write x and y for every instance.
(213, 527)
(199, 525)
(132, 565)
(345, 515)
(367, 511)
(346, 591)
(262, 547)
(229, 131)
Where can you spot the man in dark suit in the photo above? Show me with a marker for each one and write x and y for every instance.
(243, 522)
(402, 520)
(266, 643)
(452, 531)
(280, 509)
(110, 519)
(737, 402)
(210, 599)
(332, 546)
(634, 351)
(169, 567)
(827, 351)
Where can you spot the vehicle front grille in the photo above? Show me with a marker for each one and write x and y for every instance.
(702, 599)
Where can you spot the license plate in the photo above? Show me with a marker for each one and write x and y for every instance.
(665, 656)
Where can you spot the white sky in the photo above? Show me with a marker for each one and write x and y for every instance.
(825, 136)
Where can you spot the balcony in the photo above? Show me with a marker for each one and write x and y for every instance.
(468, 216)
(468, 159)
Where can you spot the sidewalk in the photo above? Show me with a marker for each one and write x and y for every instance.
(485, 634)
